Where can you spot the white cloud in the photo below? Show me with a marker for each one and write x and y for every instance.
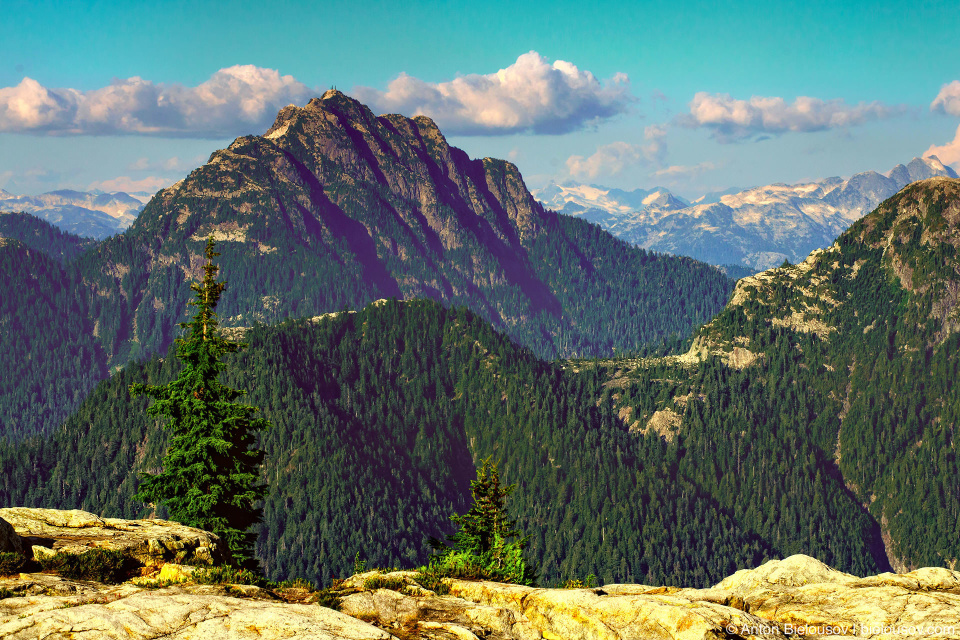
(235, 100)
(611, 159)
(948, 153)
(732, 120)
(531, 95)
(30, 106)
(124, 183)
(655, 151)
(948, 100)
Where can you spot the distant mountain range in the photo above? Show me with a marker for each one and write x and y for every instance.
(757, 228)
(92, 214)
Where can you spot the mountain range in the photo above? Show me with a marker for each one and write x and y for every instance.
(757, 228)
(405, 307)
(89, 214)
(332, 209)
(815, 414)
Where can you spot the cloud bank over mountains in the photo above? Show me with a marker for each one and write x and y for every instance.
(733, 120)
(235, 100)
(611, 159)
(531, 95)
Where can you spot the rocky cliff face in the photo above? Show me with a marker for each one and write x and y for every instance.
(795, 597)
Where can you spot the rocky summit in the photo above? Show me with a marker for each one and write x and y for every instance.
(798, 597)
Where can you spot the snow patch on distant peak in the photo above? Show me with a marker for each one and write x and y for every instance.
(934, 163)
(652, 197)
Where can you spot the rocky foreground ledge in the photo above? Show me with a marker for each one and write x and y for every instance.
(798, 597)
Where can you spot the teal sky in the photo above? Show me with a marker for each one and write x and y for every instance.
(893, 56)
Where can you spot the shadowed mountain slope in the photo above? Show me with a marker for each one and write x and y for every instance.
(845, 365)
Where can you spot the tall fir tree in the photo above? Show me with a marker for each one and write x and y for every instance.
(482, 547)
(211, 471)
(486, 522)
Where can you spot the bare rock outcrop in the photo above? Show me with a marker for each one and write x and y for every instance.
(150, 542)
(51, 607)
(796, 597)
(799, 597)
(495, 611)
(807, 597)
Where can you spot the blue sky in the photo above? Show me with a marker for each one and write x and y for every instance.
(695, 96)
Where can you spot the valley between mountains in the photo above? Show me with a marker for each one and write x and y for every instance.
(410, 311)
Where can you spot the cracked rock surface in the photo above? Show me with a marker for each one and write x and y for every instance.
(798, 597)
(54, 608)
(803, 592)
(494, 611)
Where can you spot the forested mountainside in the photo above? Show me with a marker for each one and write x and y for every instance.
(379, 418)
(333, 208)
(49, 353)
(845, 365)
(42, 236)
(815, 414)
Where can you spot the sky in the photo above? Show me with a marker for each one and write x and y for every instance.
(692, 96)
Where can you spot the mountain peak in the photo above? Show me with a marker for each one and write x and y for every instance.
(382, 207)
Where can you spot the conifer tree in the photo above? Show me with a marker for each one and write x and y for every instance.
(486, 522)
(211, 471)
(482, 547)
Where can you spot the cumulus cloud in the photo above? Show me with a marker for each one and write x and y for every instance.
(123, 183)
(948, 100)
(611, 159)
(608, 159)
(948, 153)
(531, 95)
(235, 100)
(733, 120)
